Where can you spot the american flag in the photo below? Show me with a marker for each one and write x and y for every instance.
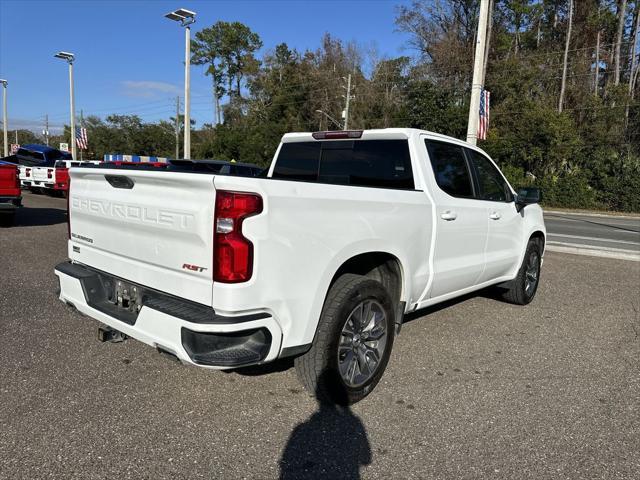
(81, 138)
(483, 123)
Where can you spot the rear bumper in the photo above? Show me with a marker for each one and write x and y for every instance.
(192, 332)
(10, 203)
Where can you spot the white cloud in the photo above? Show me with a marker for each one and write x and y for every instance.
(148, 89)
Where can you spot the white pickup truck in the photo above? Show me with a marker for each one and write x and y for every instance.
(319, 261)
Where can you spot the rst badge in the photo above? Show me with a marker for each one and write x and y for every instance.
(193, 268)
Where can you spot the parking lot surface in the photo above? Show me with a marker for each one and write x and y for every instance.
(475, 388)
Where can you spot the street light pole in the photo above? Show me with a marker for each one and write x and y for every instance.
(187, 92)
(186, 18)
(73, 112)
(4, 117)
(70, 57)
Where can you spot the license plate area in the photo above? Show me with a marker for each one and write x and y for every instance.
(127, 296)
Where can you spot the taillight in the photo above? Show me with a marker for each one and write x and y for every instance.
(233, 253)
(49, 173)
(27, 172)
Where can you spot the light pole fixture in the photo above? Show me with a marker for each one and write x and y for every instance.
(70, 57)
(330, 118)
(4, 116)
(186, 18)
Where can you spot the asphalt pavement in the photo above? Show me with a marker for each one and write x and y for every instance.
(603, 235)
(475, 388)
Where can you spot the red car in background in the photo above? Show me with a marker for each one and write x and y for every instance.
(10, 195)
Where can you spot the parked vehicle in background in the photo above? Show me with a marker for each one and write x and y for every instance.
(10, 194)
(41, 178)
(34, 155)
(58, 182)
(42, 157)
(319, 261)
(119, 163)
(221, 167)
(24, 174)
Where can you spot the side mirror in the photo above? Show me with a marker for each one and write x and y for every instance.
(527, 196)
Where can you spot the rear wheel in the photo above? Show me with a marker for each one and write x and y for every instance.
(522, 289)
(353, 342)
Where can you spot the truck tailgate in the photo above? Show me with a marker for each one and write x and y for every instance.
(154, 228)
(9, 186)
(42, 174)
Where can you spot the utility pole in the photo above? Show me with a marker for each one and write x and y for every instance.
(81, 126)
(476, 87)
(346, 108)
(4, 114)
(45, 132)
(597, 74)
(177, 127)
(565, 58)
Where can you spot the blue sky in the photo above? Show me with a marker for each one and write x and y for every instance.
(129, 57)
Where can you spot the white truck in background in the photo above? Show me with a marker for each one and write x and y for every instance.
(319, 261)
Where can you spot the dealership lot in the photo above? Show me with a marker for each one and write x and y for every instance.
(474, 388)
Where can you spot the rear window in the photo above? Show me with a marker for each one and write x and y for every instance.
(365, 163)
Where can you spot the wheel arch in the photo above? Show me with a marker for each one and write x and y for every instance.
(540, 236)
(383, 267)
(377, 265)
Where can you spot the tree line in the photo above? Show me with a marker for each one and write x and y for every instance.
(563, 77)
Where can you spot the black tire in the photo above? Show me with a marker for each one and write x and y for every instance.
(318, 369)
(516, 290)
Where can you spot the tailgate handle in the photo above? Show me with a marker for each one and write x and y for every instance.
(119, 181)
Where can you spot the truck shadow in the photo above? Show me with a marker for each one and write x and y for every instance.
(284, 364)
(39, 217)
(492, 293)
(278, 365)
(331, 443)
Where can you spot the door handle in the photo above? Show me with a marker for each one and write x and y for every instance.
(449, 215)
(495, 216)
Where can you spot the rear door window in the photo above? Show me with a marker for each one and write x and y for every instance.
(492, 185)
(366, 163)
(450, 168)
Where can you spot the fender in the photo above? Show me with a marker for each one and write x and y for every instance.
(349, 252)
